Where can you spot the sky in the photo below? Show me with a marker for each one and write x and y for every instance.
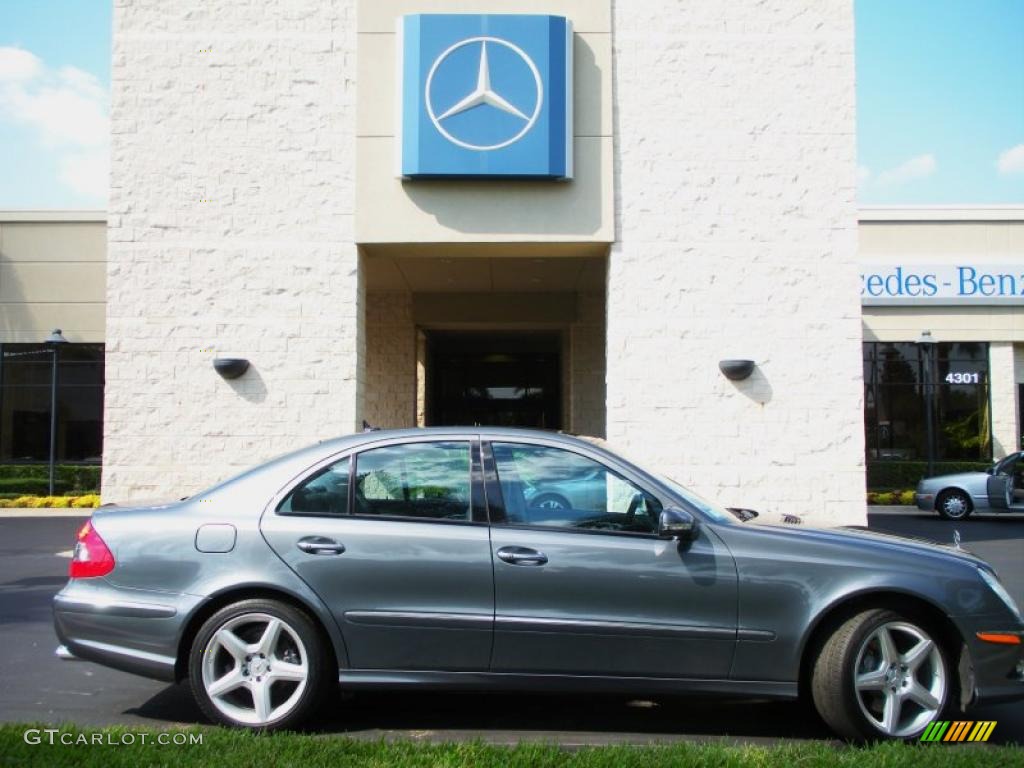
(940, 102)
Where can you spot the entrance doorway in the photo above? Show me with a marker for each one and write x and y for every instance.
(494, 379)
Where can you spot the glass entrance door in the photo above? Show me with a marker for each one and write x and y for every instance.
(494, 379)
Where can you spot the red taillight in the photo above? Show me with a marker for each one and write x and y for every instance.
(91, 557)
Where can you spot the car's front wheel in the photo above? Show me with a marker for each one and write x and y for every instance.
(954, 505)
(258, 664)
(881, 675)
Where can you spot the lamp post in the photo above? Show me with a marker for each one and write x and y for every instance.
(927, 344)
(54, 342)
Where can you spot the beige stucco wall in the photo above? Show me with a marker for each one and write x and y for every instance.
(391, 210)
(943, 236)
(938, 236)
(52, 275)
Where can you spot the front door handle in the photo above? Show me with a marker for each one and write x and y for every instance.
(320, 545)
(521, 556)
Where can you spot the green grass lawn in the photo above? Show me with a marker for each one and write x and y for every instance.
(228, 748)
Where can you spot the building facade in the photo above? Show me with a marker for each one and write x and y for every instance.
(53, 274)
(255, 212)
(710, 215)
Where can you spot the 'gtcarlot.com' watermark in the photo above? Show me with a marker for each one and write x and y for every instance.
(109, 739)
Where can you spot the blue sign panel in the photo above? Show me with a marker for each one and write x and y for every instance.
(485, 96)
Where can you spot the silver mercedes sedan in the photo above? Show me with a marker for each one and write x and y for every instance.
(419, 558)
(955, 497)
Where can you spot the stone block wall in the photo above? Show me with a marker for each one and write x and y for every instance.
(736, 237)
(230, 233)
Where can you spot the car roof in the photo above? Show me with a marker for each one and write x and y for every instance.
(374, 435)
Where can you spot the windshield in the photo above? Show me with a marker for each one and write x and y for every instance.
(1004, 466)
(715, 512)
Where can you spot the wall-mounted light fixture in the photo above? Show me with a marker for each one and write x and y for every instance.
(230, 367)
(736, 370)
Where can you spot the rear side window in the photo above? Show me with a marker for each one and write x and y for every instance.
(323, 493)
(418, 480)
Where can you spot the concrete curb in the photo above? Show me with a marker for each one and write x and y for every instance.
(44, 512)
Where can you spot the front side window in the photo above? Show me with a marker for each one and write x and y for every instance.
(419, 480)
(323, 493)
(554, 487)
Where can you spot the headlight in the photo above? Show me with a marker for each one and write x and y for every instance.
(1000, 590)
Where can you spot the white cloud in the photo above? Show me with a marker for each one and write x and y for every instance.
(1012, 160)
(87, 172)
(863, 176)
(919, 167)
(17, 64)
(68, 111)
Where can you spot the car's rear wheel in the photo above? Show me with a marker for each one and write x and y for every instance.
(258, 664)
(954, 504)
(551, 501)
(882, 675)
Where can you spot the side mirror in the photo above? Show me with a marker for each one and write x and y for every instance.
(676, 523)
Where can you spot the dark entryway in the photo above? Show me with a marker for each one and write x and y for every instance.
(494, 379)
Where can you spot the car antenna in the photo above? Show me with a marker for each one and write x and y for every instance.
(368, 428)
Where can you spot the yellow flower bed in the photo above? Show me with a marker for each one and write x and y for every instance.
(88, 501)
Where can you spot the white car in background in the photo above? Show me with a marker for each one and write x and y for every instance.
(1000, 488)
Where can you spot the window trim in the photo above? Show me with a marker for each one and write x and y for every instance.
(496, 499)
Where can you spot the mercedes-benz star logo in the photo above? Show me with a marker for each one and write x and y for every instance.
(483, 94)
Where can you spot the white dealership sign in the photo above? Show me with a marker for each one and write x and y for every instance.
(960, 283)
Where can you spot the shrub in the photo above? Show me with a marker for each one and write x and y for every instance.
(889, 475)
(887, 498)
(5, 503)
(61, 502)
(33, 485)
(89, 500)
(68, 477)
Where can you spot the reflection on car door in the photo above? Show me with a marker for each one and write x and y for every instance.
(595, 591)
(409, 578)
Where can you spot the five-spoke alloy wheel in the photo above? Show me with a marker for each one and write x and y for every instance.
(881, 675)
(257, 663)
(900, 679)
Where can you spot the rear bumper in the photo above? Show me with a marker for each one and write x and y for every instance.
(129, 630)
(925, 501)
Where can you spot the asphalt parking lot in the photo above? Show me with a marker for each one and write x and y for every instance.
(39, 687)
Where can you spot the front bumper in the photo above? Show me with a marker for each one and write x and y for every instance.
(134, 631)
(996, 669)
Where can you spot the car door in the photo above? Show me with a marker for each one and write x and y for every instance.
(394, 540)
(1000, 484)
(591, 589)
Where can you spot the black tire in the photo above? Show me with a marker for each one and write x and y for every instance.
(954, 504)
(310, 645)
(835, 694)
(552, 500)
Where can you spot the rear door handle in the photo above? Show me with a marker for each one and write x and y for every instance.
(521, 556)
(320, 545)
